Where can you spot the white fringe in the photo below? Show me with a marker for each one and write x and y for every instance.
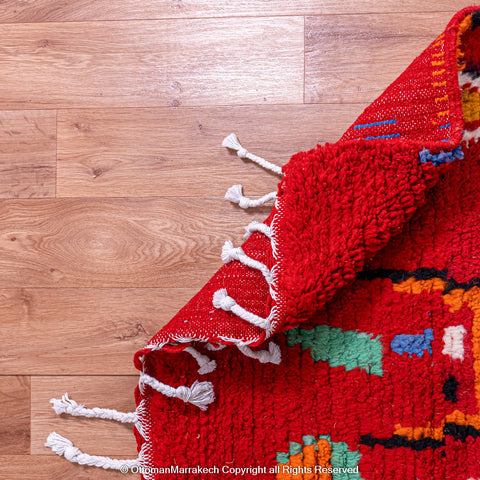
(221, 300)
(235, 195)
(200, 394)
(230, 253)
(215, 348)
(232, 142)
(273, 355)
(71, 407)
(205, 363)
(62, 446)
(257, 227)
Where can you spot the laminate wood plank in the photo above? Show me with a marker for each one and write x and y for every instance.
(83, 10)
(178, 152)
(14, 415)
(354, 58)
(47, 467)
(152, 63)
(80, 331)
(116, 242)
(144, 104)
(27, 154)
(94, 436)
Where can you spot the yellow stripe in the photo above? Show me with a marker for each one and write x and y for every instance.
(439, 72)
(439, 54)
(441, 99)
(437, 63)
(440, 84)
(443, 114)
(417, 433)
(455, 299)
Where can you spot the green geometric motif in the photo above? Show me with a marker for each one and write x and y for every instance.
(347, 348)
(342, 458)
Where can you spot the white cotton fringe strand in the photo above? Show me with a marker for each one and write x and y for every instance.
(254, 227)
(235, 195)
(231, 253)
(62, 446)
(204, 362)
(71, 407)
(200, 394)
(221, 300)
(273, 355)
(232, 142)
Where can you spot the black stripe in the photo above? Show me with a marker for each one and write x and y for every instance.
(398, 276)
(460, 432)
(397, 441)
(475, 19)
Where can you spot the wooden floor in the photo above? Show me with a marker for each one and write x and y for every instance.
(112, 174)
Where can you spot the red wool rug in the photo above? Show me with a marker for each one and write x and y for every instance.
(342, 340)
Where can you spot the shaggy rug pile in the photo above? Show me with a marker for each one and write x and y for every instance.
(342, 339)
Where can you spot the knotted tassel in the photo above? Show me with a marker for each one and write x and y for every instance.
(257, 227)
(200, 394)
(64, 447)
(205, 363)
(71, 407)
(231, 253)
(273, 355)
(235, 195)
(222, 301)
(232, 143)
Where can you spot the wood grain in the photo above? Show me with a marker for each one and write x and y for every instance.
(116, 242)
(118, 108)
(80, 331)
(47, 467)
(94, 436)
(27, 154)
(178, 152)
(15, 415)
(21, 11)
(152, 63)
(356, 57)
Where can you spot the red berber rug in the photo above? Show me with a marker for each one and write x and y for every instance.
(342, 339)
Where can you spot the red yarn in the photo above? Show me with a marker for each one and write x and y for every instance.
(376, 296)
(340, 204)
(259, 409)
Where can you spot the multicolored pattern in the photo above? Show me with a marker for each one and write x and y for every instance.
(471, 105)
(374, 300)
(439, 158)
(318, 459)
(428, 115)
(455, 379)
